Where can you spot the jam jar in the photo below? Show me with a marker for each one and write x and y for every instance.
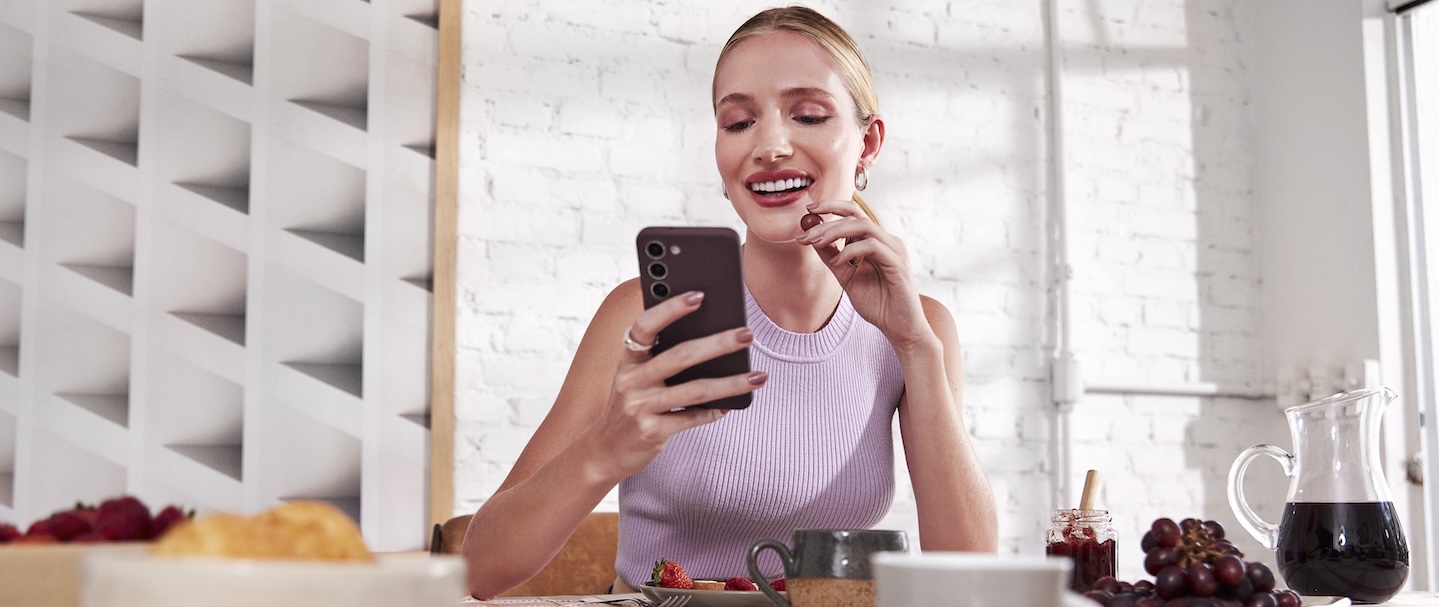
(1087, 537)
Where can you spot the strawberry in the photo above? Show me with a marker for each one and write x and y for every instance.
(87, 512)
(167, 518)
(778, 585)
(66, 525)
(123, 518)
(40, 527)
(38, 538)
(8, 532)
(739, 583)
(90, 537)
(669, 574)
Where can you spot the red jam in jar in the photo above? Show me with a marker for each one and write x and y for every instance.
(1086, 537)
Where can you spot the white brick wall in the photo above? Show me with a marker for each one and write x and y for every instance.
(584, 121)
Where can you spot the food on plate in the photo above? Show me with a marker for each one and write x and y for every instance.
(304, 530)
(1188, 559)
(669, 574)
(118, 519)
(740, 583)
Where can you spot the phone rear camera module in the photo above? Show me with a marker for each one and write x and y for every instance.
(660, 290)
(658, 270)
(655, 249)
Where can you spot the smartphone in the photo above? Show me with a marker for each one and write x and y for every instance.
(676, 260)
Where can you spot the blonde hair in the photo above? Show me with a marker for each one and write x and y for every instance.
(837, 43)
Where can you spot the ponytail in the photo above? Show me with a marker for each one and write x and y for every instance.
(867, 210)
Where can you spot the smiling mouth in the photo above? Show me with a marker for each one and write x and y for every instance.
(781, 186)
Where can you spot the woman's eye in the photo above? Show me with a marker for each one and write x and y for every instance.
(811, 119)
(735, 127)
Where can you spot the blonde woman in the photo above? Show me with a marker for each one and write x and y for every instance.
(841, 341)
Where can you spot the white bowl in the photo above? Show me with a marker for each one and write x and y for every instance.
(392, 580)
(958, 579)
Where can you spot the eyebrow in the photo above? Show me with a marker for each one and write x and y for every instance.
(790, 93)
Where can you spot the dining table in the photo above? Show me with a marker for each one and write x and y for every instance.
(1403, 599)
(1408, 599)
(622, 600)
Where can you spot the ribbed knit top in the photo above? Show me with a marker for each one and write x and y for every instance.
(813, 450)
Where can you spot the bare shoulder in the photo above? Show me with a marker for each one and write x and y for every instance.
(619, 308)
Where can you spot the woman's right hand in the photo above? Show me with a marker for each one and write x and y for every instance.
(642, 412)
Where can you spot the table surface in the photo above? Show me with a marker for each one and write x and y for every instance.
(1403, 599)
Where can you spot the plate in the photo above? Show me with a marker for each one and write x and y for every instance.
(1324, 601)
(391, 580)
(711, 598)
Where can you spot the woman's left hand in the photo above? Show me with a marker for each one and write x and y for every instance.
(873, 268)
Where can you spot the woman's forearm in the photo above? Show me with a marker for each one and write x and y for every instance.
(952, 496)
(521, 528)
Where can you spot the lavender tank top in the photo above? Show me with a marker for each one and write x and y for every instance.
(813, 450)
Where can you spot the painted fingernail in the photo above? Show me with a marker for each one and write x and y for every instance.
(757, 378)
(744, 335)
(694, 297)
(812, 206)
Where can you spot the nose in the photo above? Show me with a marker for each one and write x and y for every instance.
(771, 142)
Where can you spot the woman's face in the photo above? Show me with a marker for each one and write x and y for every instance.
(786, 132)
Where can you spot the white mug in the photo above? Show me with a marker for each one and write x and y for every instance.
(959, 579)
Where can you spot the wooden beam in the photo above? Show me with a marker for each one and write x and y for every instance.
(442, 342)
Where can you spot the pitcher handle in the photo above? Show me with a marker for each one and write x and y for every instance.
(1266, 532)
(762, 581)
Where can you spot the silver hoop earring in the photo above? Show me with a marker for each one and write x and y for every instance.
(724, 191)
(861, 179)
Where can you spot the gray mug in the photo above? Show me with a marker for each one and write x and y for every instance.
(828, 567)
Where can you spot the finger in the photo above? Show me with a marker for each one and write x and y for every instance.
(660, 428)
(846, 228)
(646, 327)
(682, 398)
(690, 353)
(837, 206)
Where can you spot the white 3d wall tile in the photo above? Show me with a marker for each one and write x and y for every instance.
(215, 236)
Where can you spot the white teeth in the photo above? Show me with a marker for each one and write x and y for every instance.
(781, 184)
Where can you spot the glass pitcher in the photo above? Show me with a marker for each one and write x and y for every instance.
(1339, 535)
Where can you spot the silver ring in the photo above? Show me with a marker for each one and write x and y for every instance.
(634, 346)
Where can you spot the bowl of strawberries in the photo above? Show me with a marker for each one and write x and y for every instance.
(40, 563)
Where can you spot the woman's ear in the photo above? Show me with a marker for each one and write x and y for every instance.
(873, 140)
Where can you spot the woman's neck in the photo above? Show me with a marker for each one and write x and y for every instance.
(791, 284)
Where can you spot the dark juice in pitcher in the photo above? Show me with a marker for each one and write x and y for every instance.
(1350, 549)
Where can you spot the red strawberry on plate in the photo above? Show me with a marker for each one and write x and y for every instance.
(8, 532)
(777, 585)
(66, 525)
(740, 583)
(124, 518)
(167, 518)
(669, 574)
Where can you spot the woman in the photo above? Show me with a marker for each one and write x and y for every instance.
(840, 338)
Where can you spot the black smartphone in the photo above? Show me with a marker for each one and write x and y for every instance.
(676, 260)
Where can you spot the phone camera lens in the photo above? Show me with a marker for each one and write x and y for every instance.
(655, 250)
(660, 290)
(658, 270)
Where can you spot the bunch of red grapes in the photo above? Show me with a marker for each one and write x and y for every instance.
(1193, 566)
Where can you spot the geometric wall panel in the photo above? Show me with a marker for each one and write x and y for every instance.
(215, 255)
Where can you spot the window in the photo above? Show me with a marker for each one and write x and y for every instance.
(1417, 29)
